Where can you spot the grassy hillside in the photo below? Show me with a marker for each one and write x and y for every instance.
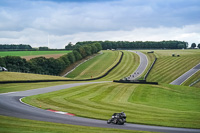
(168, 68)
(128, 65)
(97, 66)
(165, 105)
(30, 53)
(16, 125)
(102, 63)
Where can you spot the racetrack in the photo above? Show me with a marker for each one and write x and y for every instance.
(11, 106)
(186, 75)
(141, 68)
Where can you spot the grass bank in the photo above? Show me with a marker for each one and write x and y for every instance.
(96, 66)
(128, 65)
(193, 79)
(15, 76)
(168, 68)
(164, 105)
(17, 125)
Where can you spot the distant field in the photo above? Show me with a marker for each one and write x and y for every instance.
(30, 53)
(165, 105)
(168, 68)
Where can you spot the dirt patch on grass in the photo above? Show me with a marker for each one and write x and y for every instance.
(55, 56)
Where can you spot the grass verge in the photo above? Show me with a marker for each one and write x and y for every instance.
(15, 76)
(17, 125)
(193, 79)
(4, 88)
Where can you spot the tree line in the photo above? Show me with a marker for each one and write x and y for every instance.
(49, 66)
(194, 45)
(137, 44)
(15, 46)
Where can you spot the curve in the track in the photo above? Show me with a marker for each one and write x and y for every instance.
(186, 75)
(141, 68)
(10, 105)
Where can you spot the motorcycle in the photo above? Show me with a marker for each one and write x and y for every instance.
(117, 118)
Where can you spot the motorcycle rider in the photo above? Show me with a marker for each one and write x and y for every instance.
(123, 116)
(118, 118)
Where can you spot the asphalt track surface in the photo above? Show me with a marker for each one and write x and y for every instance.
(11, 105)
(141, 68)
(186, 75)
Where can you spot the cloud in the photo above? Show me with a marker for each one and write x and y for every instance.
(30, 21)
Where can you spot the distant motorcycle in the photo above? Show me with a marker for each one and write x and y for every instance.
(117, 118)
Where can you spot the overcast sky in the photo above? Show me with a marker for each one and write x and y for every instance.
(64, 21)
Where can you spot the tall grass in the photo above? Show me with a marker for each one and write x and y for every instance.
(166, 105)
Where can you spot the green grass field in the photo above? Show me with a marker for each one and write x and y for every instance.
(165, 105)
(168, 68)
(96, 66)
(30, 53)
(128, 65)
(16, 125)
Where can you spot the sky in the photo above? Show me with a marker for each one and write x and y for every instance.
(55, 23)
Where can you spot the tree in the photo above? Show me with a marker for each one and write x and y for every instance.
(16, 63)
(88, 50)
(69, 46)
(65, 59)
(99, 46)
(77, 55)
(193, 45)
(71, 57)
(43, 48)
(181, 46)
(39, 65)
(81, 50)
(199, 45)
(2, 62)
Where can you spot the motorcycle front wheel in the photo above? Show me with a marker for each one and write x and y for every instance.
(109, 121)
